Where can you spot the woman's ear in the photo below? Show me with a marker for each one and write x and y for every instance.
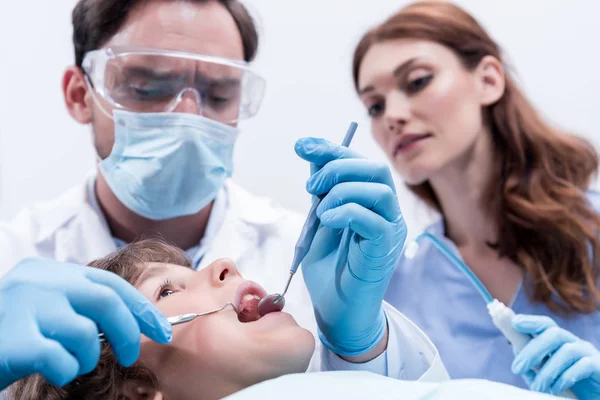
(133, 389)
(490, 76)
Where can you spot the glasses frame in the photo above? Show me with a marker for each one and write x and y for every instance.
(95, 61)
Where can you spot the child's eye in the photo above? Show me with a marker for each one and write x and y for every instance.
(166, 292)
(165, 289)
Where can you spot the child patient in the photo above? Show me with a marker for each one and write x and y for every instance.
(223, 353)
(208, 358)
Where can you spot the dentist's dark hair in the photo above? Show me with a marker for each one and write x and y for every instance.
(110, 380)
(95, 22)
(538, 195)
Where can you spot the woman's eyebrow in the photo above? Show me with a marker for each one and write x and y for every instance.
(404, 66)
(399, 70)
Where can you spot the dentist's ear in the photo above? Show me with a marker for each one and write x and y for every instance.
(77, 95)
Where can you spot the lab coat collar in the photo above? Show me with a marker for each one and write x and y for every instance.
(249, 208)
(57, 212)
(247, 221)
(83, 235)
(246, 217)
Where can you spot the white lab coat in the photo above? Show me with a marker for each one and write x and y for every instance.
(255, 232)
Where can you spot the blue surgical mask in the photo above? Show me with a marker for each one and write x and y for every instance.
(167, 165)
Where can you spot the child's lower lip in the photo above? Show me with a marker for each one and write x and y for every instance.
(269, 316)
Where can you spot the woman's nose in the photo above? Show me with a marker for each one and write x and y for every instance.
(397, 111)
(222, 271)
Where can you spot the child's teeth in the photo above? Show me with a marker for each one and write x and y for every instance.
(250, 297)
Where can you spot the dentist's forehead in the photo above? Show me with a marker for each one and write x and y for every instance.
(203, 28)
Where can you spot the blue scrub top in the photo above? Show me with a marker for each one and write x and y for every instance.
(434, 294)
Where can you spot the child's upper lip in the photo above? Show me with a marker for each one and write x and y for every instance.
(248, 287)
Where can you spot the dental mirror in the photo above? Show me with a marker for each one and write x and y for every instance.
(271, 303)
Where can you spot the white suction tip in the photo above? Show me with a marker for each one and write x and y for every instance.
(411, 250)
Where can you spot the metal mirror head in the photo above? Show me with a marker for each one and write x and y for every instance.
(271, 303)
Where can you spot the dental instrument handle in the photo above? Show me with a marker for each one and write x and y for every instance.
(300, 252)
(502, 317)
(349, 134)
(311, 225)
(287, 285)
(183, 318)
(307, 235)
(309, 230)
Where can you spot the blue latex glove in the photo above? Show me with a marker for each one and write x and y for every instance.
(354, 252)
(49, 318)
(572, 363)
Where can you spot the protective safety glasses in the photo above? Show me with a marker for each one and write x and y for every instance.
(147, 80)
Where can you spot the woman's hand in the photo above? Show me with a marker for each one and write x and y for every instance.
(563, 360)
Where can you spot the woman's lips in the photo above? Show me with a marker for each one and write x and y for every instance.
(247, 297)
(407, 141)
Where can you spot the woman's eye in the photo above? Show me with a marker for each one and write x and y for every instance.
(418, 84)
(375, 109)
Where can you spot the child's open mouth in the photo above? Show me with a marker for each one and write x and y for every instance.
(248, 296)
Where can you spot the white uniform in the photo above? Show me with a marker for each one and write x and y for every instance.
(256, 233)
(365, 385)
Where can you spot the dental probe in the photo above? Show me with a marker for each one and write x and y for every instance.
(181, 319)
(275, 302)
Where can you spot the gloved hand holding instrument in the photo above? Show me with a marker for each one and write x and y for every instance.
(51, 314)
(555, 360)
(550, 359)
(354, 251)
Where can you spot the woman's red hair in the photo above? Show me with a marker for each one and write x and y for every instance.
(538, 194)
